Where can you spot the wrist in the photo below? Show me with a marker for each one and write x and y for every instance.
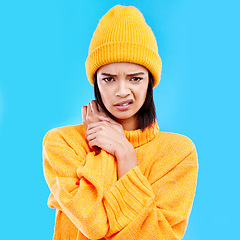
(126, 159)
(124, 150)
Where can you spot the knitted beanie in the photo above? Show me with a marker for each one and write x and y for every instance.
(122, 35)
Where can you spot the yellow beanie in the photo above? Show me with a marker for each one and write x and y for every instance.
(122, 35)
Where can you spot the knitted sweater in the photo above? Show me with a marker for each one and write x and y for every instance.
(151, 201)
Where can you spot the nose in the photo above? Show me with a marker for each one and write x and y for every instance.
(122, 89)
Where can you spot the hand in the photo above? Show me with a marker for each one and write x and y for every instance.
(103, 132)
(91, 112)
(106, 134)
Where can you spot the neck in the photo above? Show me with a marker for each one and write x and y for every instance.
(129, 124)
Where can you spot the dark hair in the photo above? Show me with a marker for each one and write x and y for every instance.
(146, 114)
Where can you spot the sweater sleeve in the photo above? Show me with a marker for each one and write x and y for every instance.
(160, 210)
(77, 181)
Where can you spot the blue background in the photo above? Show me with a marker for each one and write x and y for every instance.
(43, 85)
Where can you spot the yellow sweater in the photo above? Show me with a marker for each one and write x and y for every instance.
(152, 201)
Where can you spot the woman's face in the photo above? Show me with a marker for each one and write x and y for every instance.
(123, 89)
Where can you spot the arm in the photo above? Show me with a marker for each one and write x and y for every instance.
(139, 210)
(78, 179)
(131, 207)
(77, 182)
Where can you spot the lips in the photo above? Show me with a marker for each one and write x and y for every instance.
(124, 105)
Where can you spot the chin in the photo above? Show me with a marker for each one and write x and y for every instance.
(123, 116)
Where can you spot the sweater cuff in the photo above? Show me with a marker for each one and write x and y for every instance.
(127, 198)
(99, 170)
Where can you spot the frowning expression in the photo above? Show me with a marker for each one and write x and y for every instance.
(123, 89)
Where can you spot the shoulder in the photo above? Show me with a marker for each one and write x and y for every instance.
(64, 150)
(175, 140)
(175, 146)
(70, 135)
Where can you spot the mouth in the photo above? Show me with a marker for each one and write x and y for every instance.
(124, 105)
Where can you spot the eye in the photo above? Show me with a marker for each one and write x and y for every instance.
(135, 79)
(108, 79)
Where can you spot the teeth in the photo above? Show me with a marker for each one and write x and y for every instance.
(125, 104)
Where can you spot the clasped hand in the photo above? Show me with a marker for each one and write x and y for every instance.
(102, 131)
(107, 134)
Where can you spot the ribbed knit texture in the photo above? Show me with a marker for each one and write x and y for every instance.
(122, 35)
(152, 201)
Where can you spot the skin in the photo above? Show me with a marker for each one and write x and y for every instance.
(117, 82)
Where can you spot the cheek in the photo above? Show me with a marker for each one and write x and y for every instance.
(142, 93)
(105, 95)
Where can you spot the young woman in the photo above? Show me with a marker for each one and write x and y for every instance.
(116, 176)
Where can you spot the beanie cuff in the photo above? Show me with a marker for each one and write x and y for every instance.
(124, 52)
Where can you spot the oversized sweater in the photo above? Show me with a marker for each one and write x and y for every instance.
(151, 201)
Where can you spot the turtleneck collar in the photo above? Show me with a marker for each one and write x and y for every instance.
(138, 137)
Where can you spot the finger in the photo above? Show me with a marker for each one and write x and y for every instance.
(92, 131)
(91, 137)
(89, 108)
(97, 125)
(84, 114)
(93, 143)
(92, 125)
(107, 119)
(94, 107)
(84, 111)
(90, 114)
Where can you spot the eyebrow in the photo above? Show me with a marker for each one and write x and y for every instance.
(130, 74)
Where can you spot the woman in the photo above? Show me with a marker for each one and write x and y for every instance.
(116, 176)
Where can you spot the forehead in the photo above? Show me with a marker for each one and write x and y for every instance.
(122, 67)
